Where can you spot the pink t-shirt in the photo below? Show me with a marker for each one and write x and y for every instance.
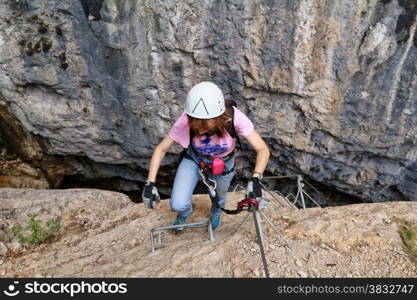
(213, 145)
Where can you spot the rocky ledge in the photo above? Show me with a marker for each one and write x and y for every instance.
(104, 234)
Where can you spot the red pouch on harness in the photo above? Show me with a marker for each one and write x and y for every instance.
(218, 166)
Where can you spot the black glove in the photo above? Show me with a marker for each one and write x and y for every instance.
(149, 194)
(254, 189)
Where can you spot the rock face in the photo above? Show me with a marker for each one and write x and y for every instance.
(104, 234)
(88, 88)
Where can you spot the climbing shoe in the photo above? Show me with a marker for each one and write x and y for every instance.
(180, 220)
(215, 221)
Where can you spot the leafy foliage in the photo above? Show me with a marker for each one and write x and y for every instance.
(409, 236)
(38, 233)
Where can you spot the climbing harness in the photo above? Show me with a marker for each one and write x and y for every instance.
(212, 168)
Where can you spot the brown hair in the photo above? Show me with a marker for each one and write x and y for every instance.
(221, 124)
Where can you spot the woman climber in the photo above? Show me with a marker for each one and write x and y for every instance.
(208, 130)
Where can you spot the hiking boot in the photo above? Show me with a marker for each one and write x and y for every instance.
(181, 220)
(215, 221)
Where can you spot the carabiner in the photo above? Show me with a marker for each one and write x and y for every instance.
(205, 178)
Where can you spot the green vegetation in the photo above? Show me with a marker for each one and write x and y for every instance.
(38, 233)
(409, 236)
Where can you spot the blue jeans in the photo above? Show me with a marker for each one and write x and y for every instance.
(186, 179)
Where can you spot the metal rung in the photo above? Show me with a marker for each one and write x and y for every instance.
(187, 225)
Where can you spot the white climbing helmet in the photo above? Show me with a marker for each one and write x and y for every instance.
(205, 101)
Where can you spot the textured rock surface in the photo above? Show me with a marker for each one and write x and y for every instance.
(88, 88)
(104, 234)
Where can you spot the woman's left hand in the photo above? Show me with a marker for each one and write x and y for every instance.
(254, 189)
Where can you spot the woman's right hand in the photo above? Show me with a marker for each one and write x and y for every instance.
(150, 194)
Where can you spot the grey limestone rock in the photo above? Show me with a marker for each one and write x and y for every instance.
(88, 88)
